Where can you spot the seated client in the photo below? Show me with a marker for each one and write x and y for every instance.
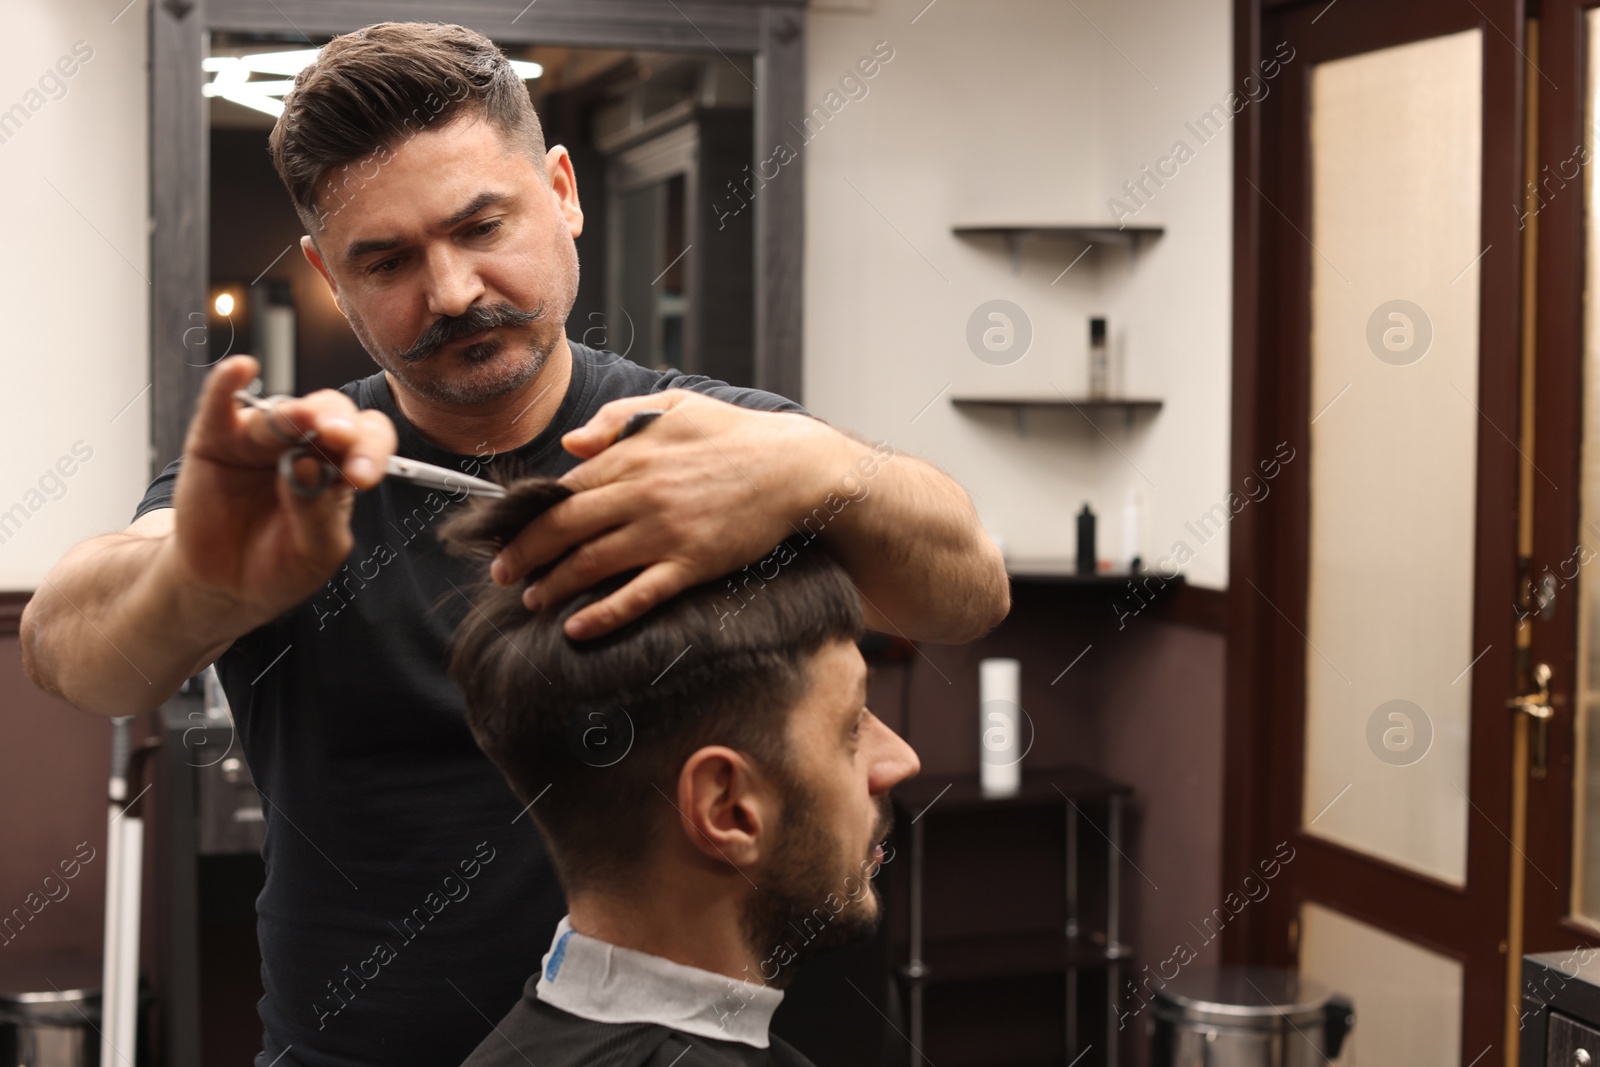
(711, 787)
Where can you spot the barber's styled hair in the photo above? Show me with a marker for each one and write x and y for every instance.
(598, 730)
(374, 89)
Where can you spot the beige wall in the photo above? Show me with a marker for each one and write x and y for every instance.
(73, 288)
(1020, 109)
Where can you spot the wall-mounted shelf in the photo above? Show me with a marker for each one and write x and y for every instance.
(1021, 405)
(1062, 570)
(1089, 233)
(1123, 403)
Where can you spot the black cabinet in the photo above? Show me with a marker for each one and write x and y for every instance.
(1561, 1009)
(1571, 1042)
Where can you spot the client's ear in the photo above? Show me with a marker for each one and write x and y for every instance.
(727, 807)
(482, 525)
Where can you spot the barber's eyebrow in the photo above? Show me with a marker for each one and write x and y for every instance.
(486, 199)
(358, 249)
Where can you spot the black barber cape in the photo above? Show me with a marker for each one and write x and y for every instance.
(406, 900)
(543, 1034)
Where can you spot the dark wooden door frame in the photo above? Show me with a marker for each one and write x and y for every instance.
(1561, 216)
(1268, 552)
(772, 31)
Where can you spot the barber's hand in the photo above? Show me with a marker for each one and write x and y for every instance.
(242, 537)
(705, 489)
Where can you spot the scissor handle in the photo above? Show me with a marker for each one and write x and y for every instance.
(638, 421)
(326, 472)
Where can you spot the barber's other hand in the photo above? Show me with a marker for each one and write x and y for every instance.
(242, 538)
(701, 491)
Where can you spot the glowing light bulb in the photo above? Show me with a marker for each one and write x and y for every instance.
(224, 304)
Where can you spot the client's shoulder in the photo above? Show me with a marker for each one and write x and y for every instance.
(541, 1033)
(786, 1055)
(686, 1050)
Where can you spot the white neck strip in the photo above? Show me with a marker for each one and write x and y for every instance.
(606, 983)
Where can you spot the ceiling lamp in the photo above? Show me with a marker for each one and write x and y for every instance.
(232, 77)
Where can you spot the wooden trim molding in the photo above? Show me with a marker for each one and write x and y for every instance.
(1196, 607)
(1246, 728)
(180, 205)
(11, 605)
(687, 25)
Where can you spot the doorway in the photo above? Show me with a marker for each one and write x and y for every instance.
(1373, 645)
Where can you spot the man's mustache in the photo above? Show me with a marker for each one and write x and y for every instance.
(475, 319)
(880, 833)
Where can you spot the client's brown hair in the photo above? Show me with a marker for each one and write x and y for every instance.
(595, 728)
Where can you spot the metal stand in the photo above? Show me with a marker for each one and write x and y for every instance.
(119, 1003)
(1115, 949)
(916, 969)
(1082, 950)
(1073, 929)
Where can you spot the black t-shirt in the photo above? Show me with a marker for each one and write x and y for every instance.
(406, 900)
(542, 1034)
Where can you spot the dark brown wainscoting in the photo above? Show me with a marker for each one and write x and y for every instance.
(11, 605)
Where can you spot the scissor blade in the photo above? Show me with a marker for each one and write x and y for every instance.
(414, 470)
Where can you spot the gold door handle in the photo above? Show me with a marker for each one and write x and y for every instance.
(1536, 706)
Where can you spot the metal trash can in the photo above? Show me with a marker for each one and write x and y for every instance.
(49, 1010)
(1247, 1017)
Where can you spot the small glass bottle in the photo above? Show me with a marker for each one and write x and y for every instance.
(1099, 361)
(1088, 559)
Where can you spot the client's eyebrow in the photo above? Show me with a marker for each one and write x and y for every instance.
(857, 711)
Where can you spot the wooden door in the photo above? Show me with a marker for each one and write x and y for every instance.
(1559, 592)
(1378, 312)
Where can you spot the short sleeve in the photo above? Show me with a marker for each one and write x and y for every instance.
(159, 495)
(755, 399)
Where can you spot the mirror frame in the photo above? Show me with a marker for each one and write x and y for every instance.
(771, 31)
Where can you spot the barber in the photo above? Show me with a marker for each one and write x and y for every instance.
(396, 922)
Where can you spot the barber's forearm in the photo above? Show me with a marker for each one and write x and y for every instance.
(114, 629)
(911, 541)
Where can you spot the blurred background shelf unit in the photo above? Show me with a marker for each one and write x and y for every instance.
(1089, 235)
(989, 914)
(677, 145)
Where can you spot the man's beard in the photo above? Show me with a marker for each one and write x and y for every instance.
(545, 327)
(791, 912)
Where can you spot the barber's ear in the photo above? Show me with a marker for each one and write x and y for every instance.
(313, 255)
(726, 806)
(564, 186)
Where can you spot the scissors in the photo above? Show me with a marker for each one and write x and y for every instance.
(411, 470)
